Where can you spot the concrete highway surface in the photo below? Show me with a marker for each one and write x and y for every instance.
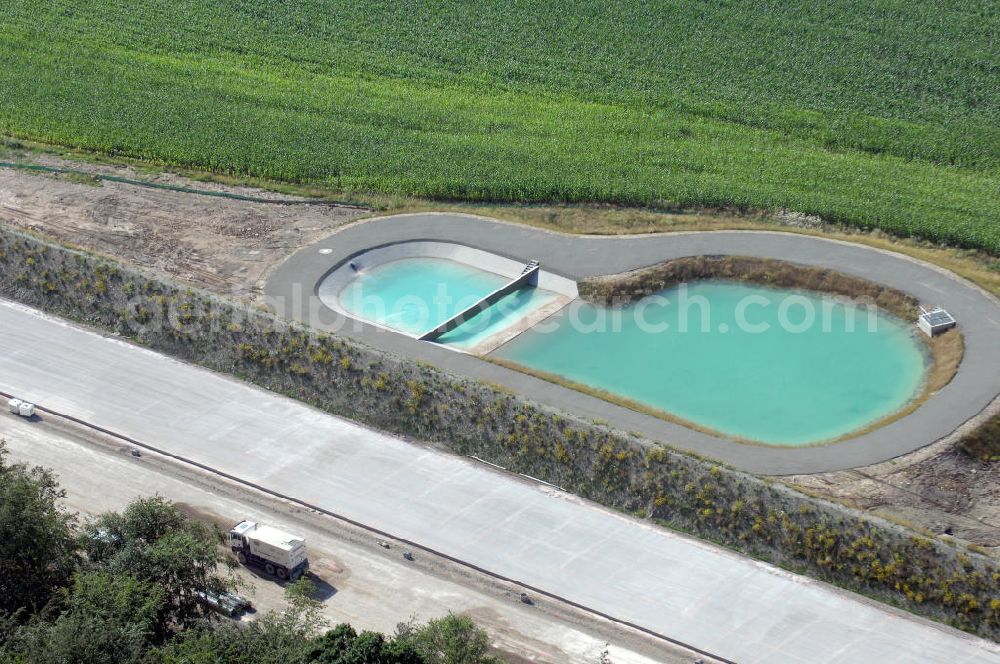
(713, 599)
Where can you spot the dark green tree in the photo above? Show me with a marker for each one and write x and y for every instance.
(452, 639)
(275, 638)
(330, 647)
(37, 549)
(264, 641)
(154, 542)
(343, 645)
(103, 619)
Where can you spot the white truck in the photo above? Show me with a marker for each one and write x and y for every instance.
(22, 408)
(280, 554)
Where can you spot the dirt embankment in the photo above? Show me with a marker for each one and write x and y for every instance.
(939, 488)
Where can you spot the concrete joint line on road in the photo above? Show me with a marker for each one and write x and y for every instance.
(527, 477)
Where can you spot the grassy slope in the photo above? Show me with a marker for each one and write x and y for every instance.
(983, 443)
(879, 114)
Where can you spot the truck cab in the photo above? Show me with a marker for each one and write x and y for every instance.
(278, 553)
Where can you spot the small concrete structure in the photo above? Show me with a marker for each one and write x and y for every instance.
(935, 321)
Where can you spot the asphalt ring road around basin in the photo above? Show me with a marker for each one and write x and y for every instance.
(291, 291)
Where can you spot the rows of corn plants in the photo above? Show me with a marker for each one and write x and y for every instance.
(924, 71)
(919, 572)
(873, 114)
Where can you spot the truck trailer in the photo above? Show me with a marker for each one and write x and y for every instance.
(278, 553)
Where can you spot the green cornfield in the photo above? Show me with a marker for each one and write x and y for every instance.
(877, 113)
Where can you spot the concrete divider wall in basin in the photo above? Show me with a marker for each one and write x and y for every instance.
(530, 275)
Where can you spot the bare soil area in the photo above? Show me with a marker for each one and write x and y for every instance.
(221, 244)
(938, 489)
(228, 246)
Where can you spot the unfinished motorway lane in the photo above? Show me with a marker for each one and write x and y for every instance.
(715, 600)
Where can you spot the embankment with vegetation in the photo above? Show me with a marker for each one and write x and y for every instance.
(877, 114)
(983, 443)
(754, 516)
(622, 289)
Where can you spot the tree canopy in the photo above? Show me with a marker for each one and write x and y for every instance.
(123, 589)
(151, 540)
(36, 538)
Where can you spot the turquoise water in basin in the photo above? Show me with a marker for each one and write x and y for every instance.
(415, 295)
(789, 384)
